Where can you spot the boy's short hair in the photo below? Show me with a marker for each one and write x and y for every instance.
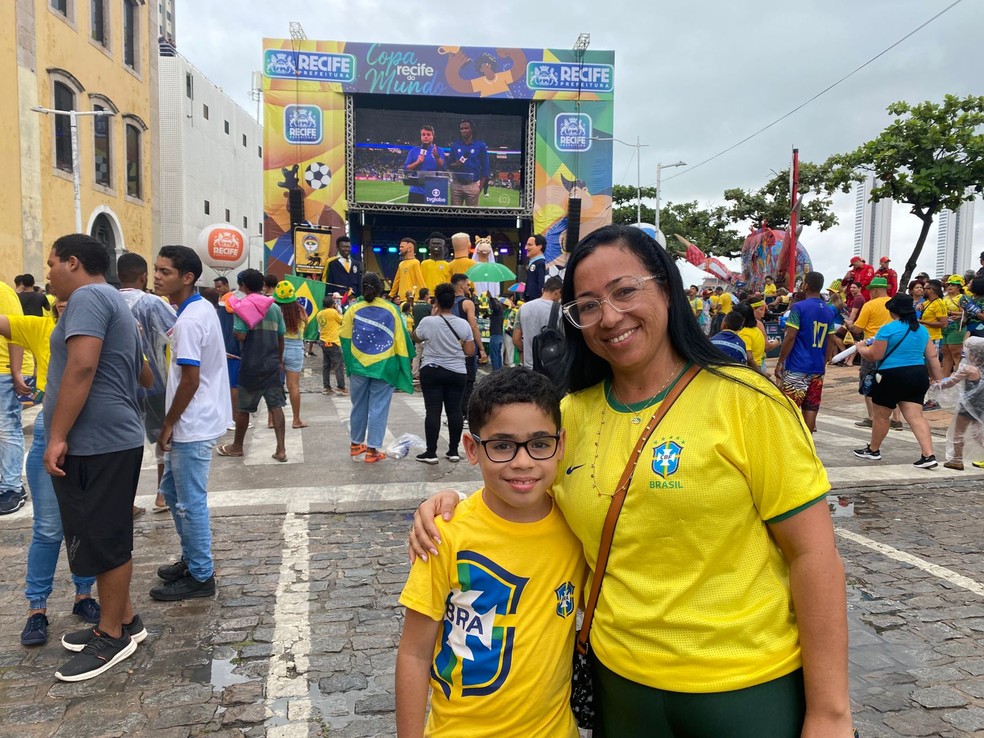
(444, 295)
(183, 259)
(733, 321)
(270, 280)
(514, 386)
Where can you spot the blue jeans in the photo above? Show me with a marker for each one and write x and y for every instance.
(11, 436)
(183, 485)
(370, 410)
(42, 554)
(495, 352)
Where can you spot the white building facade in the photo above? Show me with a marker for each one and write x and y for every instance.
(165, 19)
(872, 224)
(211, 161)
(955, 252)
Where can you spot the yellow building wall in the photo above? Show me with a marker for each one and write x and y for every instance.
(10, 204)
(67, 46)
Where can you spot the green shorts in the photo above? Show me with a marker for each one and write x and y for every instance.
(627, 709)
(953, 335)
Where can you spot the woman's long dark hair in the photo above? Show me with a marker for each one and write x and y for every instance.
(586, 369)
(372, 286)
(747, 313)
(293, 316)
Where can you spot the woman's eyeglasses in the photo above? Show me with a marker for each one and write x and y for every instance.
(587, 311)
(501, 450)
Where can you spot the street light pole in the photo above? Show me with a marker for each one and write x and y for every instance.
(73, 118)
(638, 147)
(659, 172)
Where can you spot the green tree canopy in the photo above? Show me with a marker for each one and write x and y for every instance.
(708, 228)
(771, 203)
(931, 157)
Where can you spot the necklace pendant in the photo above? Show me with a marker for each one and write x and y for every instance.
(636, 420)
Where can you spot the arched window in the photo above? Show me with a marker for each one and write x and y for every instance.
(64, 99)
(133, 157)
(102, 231)
(102, 127)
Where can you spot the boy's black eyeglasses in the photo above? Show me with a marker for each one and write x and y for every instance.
(501, 450)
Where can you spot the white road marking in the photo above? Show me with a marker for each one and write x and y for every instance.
(941, 572)
(287, 690)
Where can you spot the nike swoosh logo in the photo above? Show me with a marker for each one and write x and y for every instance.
(572, 469)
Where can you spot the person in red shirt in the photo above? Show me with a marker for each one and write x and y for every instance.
(889, 274)
(861, 274)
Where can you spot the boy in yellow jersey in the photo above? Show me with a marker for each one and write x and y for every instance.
(329, 320)
(489, 624)
(408, 275)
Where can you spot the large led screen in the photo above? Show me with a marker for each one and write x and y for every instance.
(428, 159)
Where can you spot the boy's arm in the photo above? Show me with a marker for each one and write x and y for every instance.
(413, 663)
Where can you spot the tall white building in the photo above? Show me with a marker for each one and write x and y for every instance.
(872, 224)
(211, 160)
(955, 243)
(165, 19)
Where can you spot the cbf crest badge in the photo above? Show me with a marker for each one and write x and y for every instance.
(565, 599)
(666, 458)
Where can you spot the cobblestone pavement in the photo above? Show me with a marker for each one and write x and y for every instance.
(301, 638)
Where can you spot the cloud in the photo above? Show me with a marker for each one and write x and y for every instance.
(691, 78)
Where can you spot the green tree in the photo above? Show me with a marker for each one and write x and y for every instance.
(708, 228)
(931, 157)
(771, 203)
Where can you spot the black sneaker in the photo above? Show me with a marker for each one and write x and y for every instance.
(867, 453)
(102, 652)
(184, 588)
(10, 501)
(426, 458)
(172, 572)
(87, 609)
(35, 633)
(77, 641)
(926, 462)
(452, 456)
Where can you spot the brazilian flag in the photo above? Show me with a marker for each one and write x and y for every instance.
(310, 295)
(376, 343)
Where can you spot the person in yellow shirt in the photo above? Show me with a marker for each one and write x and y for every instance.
(435, 269)
(953, 333)
(934, 314)
(12, 370)
(769, 290)
(329, 320)
(408, 275)
(462, 261)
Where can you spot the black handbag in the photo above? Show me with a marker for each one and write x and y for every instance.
(582, 678)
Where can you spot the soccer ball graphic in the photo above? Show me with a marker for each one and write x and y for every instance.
(317, 175)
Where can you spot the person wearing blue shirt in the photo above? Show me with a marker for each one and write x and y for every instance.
(902, 351)
(536, 267)
(727, 340)
(424, 158)
(805, 350)
(469, 165)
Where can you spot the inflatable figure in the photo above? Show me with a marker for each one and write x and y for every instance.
(765, 253)
(484, 253)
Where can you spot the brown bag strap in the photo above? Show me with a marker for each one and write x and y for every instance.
(619, 497)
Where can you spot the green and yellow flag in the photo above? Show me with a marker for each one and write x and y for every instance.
(376, 343)
(310, 294)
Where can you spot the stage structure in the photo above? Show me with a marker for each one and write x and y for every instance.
(378, 140)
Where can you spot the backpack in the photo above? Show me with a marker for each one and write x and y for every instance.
(549, 349)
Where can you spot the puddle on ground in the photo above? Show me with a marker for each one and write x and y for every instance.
(840, 506)
(222, 675)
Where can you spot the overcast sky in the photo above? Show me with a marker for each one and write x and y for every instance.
(692, 78)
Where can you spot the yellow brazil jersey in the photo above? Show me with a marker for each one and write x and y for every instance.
(506, 595)
(34, 334)
(769, 290)
(873, 316)
(329, 325)
(435, 272)
(725, 303)
(933, 311)
(461, 265)
(9, 305)
(754, 344)
(715, 303)
(696, 596)
(408, 278)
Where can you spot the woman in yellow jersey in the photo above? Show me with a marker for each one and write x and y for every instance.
(753, 337)
(953, 333)
(295, 321)
(723, 610)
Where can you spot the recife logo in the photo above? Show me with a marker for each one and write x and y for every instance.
(570, 76)
(572, 132)
(317, 65)
(476, 641)
(302, 124)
